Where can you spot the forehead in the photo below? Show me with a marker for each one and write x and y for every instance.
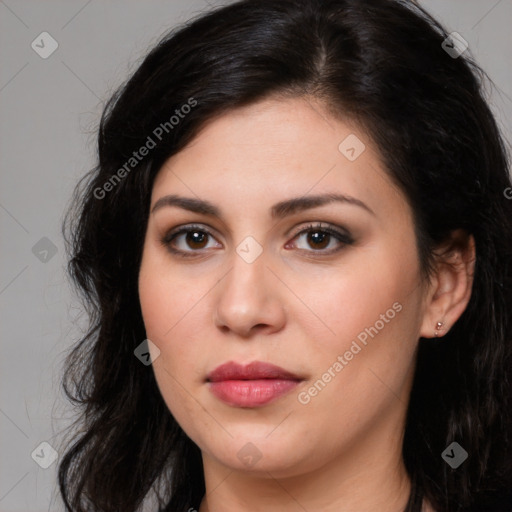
(276, 149)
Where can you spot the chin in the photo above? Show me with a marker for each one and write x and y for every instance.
(261, 455)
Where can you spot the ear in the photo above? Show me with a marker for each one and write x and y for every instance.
(450, 286)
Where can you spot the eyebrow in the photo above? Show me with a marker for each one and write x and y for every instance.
(278, 211)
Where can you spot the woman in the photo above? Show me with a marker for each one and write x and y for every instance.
(295, 250)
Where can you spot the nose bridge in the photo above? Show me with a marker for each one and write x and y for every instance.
(246, 282)
(245, 297)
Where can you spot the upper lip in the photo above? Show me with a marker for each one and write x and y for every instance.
(252, 371)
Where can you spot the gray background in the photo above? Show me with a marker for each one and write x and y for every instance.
(49, 112)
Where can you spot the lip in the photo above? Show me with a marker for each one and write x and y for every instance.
(253, 385)
(253, 371)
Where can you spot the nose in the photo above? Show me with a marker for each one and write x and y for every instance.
(248, 300)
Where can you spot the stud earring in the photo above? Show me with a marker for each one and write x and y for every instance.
(438, 328)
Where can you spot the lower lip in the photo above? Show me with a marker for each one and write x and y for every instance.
(251, 393)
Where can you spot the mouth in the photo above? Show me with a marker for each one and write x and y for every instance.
(253, 385)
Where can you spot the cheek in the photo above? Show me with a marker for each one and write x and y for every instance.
(355, 298)
(165, 297)
(167, 319)
(161, 312)
(170, 308)
(369, 318)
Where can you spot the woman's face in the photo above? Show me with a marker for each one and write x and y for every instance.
(253, 281)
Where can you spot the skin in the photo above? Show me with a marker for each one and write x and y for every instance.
(295, 306)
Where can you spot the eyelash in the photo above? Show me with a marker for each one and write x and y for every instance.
(343, 238)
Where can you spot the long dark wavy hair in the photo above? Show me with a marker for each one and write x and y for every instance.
(378, 62)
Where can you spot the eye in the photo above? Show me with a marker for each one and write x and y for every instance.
(319, 237)
(192, 236)
(189, 241)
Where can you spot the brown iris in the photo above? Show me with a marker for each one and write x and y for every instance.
(320, 239)
(195, 238)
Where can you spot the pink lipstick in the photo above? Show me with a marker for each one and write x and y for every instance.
(253, 385)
